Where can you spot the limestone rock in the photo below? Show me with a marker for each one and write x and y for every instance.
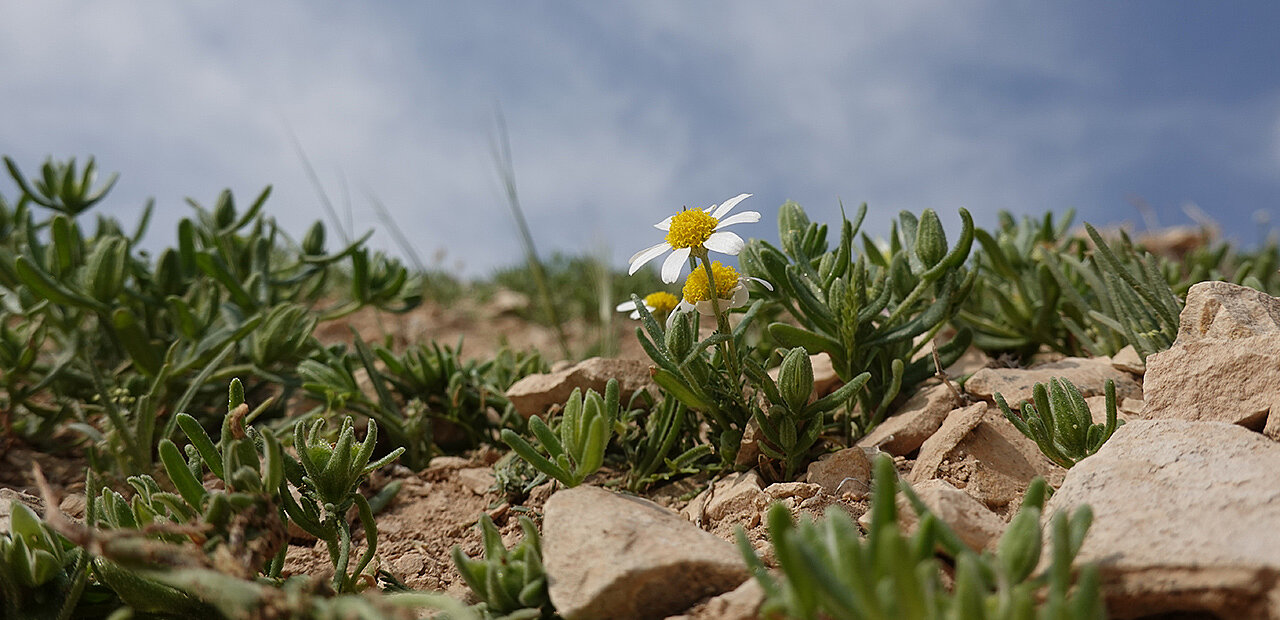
(737, 493)
(477, 479)
(903, 432)
(1224, 365)
(615, 556)
(845, 471)
(981, 452)
(1088, 374)
(974, 523)
(749, 447)
(1128, 360)
(533, 394)
(1226, 311)
(742, 603)
(1186, 516)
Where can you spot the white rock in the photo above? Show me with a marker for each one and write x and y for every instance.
(1186, 518)
(616, 556)
(1224, 365)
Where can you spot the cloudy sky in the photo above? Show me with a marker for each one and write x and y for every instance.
(620, 113)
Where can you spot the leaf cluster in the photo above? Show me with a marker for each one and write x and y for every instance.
(871, 310)
(575, 449)
(428, 399)
(90, 316)
(1060, 422)
(510, 583)
(792, 423)
(830, 571)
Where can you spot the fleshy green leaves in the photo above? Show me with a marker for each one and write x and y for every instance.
(1059, 420)
(830, 571)
(576, 448)
(511, 584)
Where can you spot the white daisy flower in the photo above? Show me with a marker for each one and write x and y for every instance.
(695, 229)
(731, 290)
(660, 303)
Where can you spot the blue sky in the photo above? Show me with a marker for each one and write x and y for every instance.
(620, 113)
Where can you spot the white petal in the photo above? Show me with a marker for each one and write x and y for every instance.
(728, 204)
(746, 217)
(681, 308)
(636, 314)
(671, 266)
(760, 282)
(626, 306)
(705, 309)
(638, 259)
(739, 297)
(724, 242)
(664, 224)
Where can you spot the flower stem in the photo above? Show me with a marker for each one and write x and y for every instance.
(729, 348)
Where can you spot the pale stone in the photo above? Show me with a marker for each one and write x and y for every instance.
(981, 452)
(1089, 375)
(975, 524)
(742, 603)
(1186, 516)
(1225, 311)
(534, 394)
(738, 492)
(616, 556)
(1224, 365)
(847, 471)
(477, 479)
(1128, 360)
(915, 421)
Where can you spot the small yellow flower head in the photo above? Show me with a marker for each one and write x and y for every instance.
(696, 288)
(690, 228)
(661, 301)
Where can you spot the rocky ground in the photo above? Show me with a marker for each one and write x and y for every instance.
(1186, 494)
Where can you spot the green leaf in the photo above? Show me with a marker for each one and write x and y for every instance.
(188, 486)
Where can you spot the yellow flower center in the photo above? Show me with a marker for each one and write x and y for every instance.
(696, 289)
(661, 301)
(690, 228)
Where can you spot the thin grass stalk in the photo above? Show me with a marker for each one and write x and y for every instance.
(501, 148)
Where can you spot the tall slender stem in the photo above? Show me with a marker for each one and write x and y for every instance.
(729, 348)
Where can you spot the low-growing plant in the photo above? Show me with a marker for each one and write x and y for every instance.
(872, 311)
(428, 399)
(1016, 303)
(699, 375)
(1125, 295)
(510, 583)
(830, 571)
(658, 443)
(41, 574)
(1059, 420)
(86, 310)
(792, 423)
(328, 476)
(575, 449)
